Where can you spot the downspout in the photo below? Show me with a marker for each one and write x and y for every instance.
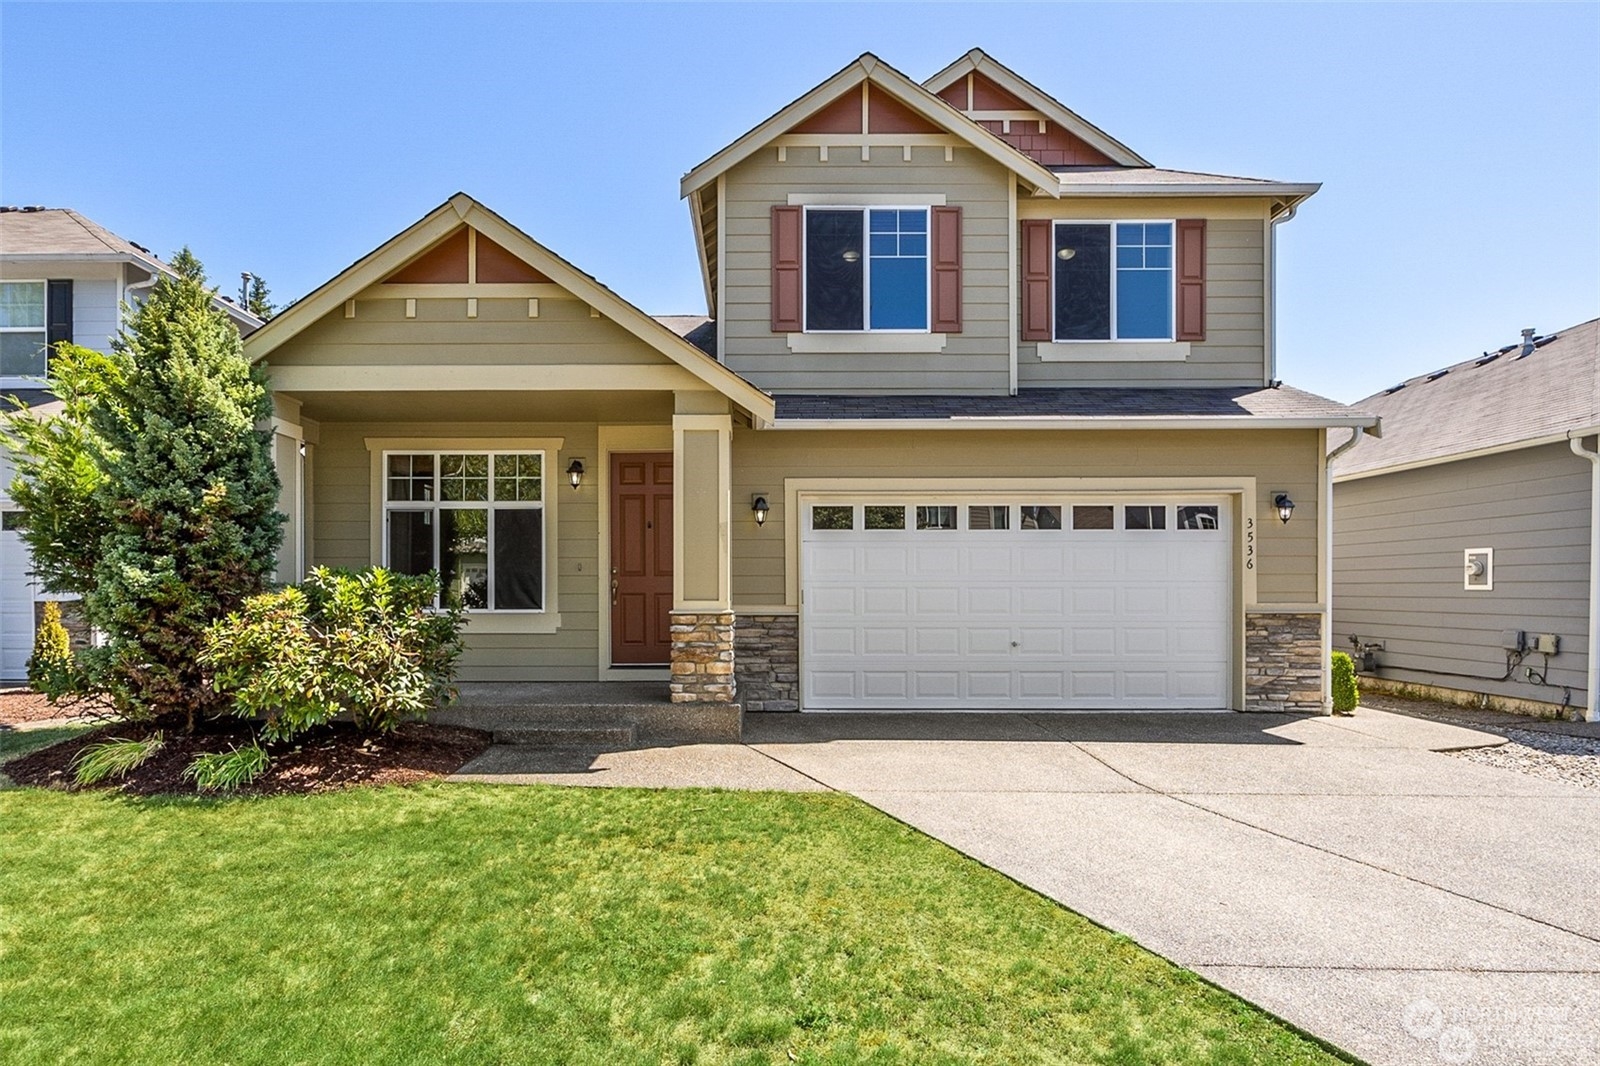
(1592, 682)
(1326, 577)
(1272, 291)
(139, 286)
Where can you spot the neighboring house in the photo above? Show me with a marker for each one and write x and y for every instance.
(1468, 531)
(984, 416)
(63, 278)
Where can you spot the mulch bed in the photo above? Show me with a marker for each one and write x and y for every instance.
(20, 706)
(323, 760)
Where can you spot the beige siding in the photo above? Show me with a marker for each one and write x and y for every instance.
(1279, 459)
(503, 334)
(1233, 352)
(1398, 568)
(342, 536)
(977, 360)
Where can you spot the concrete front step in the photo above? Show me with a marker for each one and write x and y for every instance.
(570, 736)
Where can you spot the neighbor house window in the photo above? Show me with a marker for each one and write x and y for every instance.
(22, 329)
(1113, 281)
(866, 269)
(477, 518)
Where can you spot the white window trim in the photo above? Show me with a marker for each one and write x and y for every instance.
(857, 204)
(19, 381)
(489, 505)
(1172, 287)
(1013, 502)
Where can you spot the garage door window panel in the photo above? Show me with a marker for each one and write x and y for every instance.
(1041, 516)
(1094, 516)
(833, 518)
(1144, 517)
(988, 518)
(883, 517)
(936, 517)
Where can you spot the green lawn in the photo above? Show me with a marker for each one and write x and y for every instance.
(478, 924)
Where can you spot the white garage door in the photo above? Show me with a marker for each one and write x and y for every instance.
(1000, 604)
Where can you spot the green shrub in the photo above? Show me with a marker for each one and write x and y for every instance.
(368, 643)
(1346, 693)
(227, 771)
(113, 758)
(50, 667)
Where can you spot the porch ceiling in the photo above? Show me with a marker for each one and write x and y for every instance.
(501, 406)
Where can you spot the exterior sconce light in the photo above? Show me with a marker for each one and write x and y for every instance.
(1284, 505)
(759, 508)
(575, 472)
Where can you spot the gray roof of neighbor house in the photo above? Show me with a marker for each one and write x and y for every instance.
(60, 234)
(1499, 399)
(1242, 405)
(698, 330)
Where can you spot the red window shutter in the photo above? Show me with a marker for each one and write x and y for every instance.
(1036, 255)
(946, 226)
(786, 316)
(1191, 279)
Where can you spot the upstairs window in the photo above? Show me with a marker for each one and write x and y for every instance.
(866, 269)
(1113, 281)
(22, 329)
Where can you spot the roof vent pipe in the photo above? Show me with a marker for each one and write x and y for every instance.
(1527, 343)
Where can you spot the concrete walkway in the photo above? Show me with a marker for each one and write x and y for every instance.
(1404, 904)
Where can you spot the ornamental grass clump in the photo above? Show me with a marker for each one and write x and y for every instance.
(116, 757)
(368, 644)
(227, 771)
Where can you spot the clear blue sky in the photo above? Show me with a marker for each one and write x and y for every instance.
(1459, 145)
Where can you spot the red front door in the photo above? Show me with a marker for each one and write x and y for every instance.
(641, 558)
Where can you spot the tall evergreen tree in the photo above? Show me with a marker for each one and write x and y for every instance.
(260, 299)
(187, 266)
(152, 494)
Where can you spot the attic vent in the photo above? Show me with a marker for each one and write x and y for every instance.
(1391, 390)
(1436, 375)
(1488, 357)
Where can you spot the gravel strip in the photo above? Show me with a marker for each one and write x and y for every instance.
(1554, 756)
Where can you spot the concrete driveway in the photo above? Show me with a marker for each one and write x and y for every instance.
(1405, 905)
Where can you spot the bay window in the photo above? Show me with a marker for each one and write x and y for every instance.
(1113, 281)
(477, 518)
(866, 269)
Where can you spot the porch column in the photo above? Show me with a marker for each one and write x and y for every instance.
(288, 456)
(702, 615)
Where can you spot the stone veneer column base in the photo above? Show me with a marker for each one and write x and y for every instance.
(1283, 663)
(702, 657)
(766, 661)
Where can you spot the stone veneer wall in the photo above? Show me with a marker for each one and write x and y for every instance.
(702, 657)
(1283, 663)
(766, 661)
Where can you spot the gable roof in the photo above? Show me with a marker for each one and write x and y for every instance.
(61, 235)
(869, 68)
(445, 219)
(1495, 401)
(979, 62)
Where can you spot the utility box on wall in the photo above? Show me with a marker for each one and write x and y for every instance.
(1478, 564)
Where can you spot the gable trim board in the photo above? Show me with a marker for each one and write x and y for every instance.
(978, 62)
(1477, 453)
(870, 69)
(446, 219)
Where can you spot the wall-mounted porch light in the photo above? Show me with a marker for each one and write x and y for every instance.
(575, 472)
(1285, 506)
(759, 508)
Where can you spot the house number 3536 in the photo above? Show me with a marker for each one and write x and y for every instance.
(1249, 543)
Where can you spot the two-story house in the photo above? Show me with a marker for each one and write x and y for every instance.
(63, 278)
(984, 416)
